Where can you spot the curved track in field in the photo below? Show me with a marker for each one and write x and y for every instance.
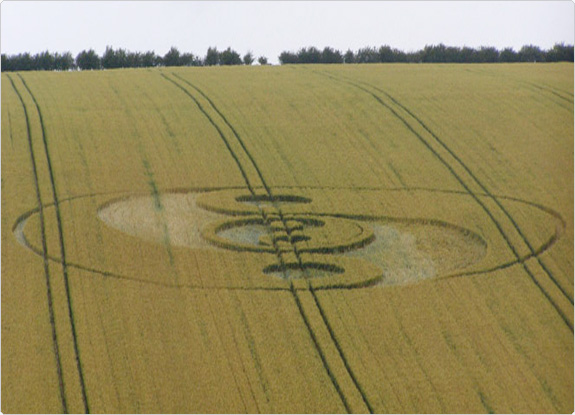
(451, 161)
(61, 260)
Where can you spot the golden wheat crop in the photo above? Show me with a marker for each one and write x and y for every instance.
(346, 238)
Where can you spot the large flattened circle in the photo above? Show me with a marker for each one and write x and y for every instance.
(93, 245)
(325, 234)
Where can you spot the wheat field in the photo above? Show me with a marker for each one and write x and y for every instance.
(301, 239)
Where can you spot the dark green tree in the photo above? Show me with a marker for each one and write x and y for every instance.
(559, 53)
(230, 57)
(262, 60)
(108, 58)
(172, 57)
(466, 55)
(212, 57)
(331, 55)
(134, 60)
(286, 58)
(189, 59)
(453, 54)
(487, 55)
(44, 61)
(88, 60)
(531, 53)
(508, 55)
(349, 56)
(399, 56)
(386, 54)
(63, 62)
(150, 59)
(6, 63)
(309, 55)
(435, 53)
(367, 55)
(112, 59)
(24, 62)
(248, 58)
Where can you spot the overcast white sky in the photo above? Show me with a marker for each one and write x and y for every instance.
(268, 28)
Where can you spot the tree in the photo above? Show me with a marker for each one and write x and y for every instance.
(531, 53)
(108, 58)
(248, 58)
(309, 55)
(435, 53)
(44, 61)
(230, 57)
(212, 57)
(330, 55)
(349, 57)
(399, 56)
(454, 54)
(287, 58)
(120, 58)
(88, 60)
(386, 54)
(6, 64)
(150, 59)
(487, 55)
(24, 62)
(189, 59)
(63, 62)
(133, 60)
(559, 53)
(414, 57)
(467, 55)
(117, 58)
(508, 55)
(172, 58)
(367, 55)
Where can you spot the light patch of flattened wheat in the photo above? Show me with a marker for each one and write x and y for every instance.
(408, 253)
(179, 217)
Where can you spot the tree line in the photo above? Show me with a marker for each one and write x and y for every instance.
(430, 54)
(121, 58)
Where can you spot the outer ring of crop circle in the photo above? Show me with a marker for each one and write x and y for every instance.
(20, 222)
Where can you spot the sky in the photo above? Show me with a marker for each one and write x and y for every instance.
(266, 28)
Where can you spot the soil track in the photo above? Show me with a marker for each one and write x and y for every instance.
(43, 253)
(267, 218)
(62, 261)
